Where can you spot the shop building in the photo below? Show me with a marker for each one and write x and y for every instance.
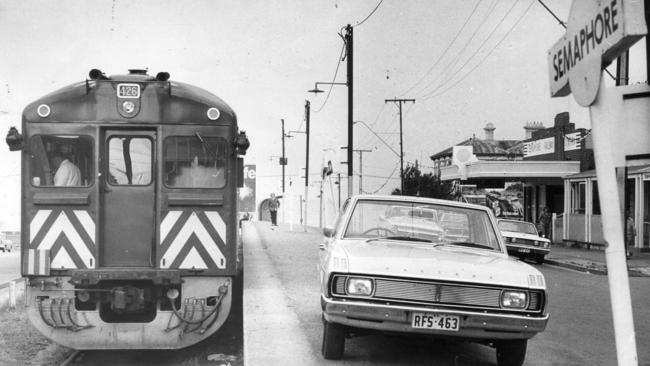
(539, 161)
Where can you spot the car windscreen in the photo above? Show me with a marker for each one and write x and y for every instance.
(435, 223)
(518, 227)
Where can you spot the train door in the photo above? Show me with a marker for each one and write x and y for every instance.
(128, 198)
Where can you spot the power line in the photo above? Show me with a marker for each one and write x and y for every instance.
(386, 182)
(371, 13)
(553, 14)
(367, 135)
(467, 43)
(484, 58)
(445, 51)
(338, 64)
(458, 70)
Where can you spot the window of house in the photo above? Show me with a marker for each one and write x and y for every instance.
(578, 197)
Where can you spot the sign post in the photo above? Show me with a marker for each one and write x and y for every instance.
(597, 33)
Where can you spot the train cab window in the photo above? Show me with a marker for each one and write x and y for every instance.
(129, 160)
(195, 162)
(61, 160)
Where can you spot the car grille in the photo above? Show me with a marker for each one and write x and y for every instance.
(438, 293)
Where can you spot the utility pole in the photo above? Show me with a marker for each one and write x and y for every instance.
(307, 113)
(401, 147)
(283, 158)
(338, 182)
(348, 55)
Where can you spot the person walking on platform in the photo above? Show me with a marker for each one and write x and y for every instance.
(273, 209)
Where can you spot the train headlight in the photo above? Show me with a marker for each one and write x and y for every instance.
(359, 286)
(513, 299)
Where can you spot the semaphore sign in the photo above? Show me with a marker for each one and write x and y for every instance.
(597, 33)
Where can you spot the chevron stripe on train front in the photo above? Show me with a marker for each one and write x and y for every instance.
(68, 235)
(193, 240)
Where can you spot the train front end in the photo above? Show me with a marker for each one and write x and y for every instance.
(129, 222)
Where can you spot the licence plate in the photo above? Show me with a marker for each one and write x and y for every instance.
(523, 250)
(435, 321)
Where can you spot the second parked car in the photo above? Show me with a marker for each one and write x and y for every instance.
(523, 240)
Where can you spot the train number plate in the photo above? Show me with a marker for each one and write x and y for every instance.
(435, 321)
(128, 91)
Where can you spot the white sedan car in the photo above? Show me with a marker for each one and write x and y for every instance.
(523, 240)
(377, 281)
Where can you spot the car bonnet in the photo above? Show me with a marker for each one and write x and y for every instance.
(444, 262)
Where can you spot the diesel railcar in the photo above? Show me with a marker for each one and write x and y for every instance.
(129, 211)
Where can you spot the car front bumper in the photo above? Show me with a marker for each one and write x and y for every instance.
(474, 325)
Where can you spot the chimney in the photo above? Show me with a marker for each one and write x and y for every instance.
(531, 127)
(489, 131)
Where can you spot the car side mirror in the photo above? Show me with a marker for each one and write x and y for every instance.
(328, 232)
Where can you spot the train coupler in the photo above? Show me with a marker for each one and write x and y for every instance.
(59, 313)
(196, 314)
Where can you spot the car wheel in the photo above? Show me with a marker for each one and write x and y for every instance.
(333, 340)
(511, 352)
(539, 259)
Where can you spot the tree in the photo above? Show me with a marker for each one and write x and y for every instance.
(426, 185)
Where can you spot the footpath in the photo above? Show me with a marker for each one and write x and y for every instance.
(593, 260)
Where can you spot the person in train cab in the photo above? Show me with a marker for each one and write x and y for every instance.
(67, 174)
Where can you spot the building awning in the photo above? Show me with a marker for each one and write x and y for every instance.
(631, 170)
(513, 169)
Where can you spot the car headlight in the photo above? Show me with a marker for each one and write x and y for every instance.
(547, 244)
(513, 299)
(507, 239)
(359, 286)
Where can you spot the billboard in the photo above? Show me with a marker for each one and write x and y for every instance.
(505, 202)
(247, 192)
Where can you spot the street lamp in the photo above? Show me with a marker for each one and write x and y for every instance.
(348, 40)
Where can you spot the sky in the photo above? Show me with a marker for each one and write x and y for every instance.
(466, 63)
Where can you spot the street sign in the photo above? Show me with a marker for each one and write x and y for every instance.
(597, 33)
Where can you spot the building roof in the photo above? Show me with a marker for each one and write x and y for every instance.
(486, 148)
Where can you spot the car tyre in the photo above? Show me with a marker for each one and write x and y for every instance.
(540, 259)
(333, 340)
(511, 352)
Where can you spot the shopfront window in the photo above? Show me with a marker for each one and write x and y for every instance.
(195, 162)
(61, 160)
